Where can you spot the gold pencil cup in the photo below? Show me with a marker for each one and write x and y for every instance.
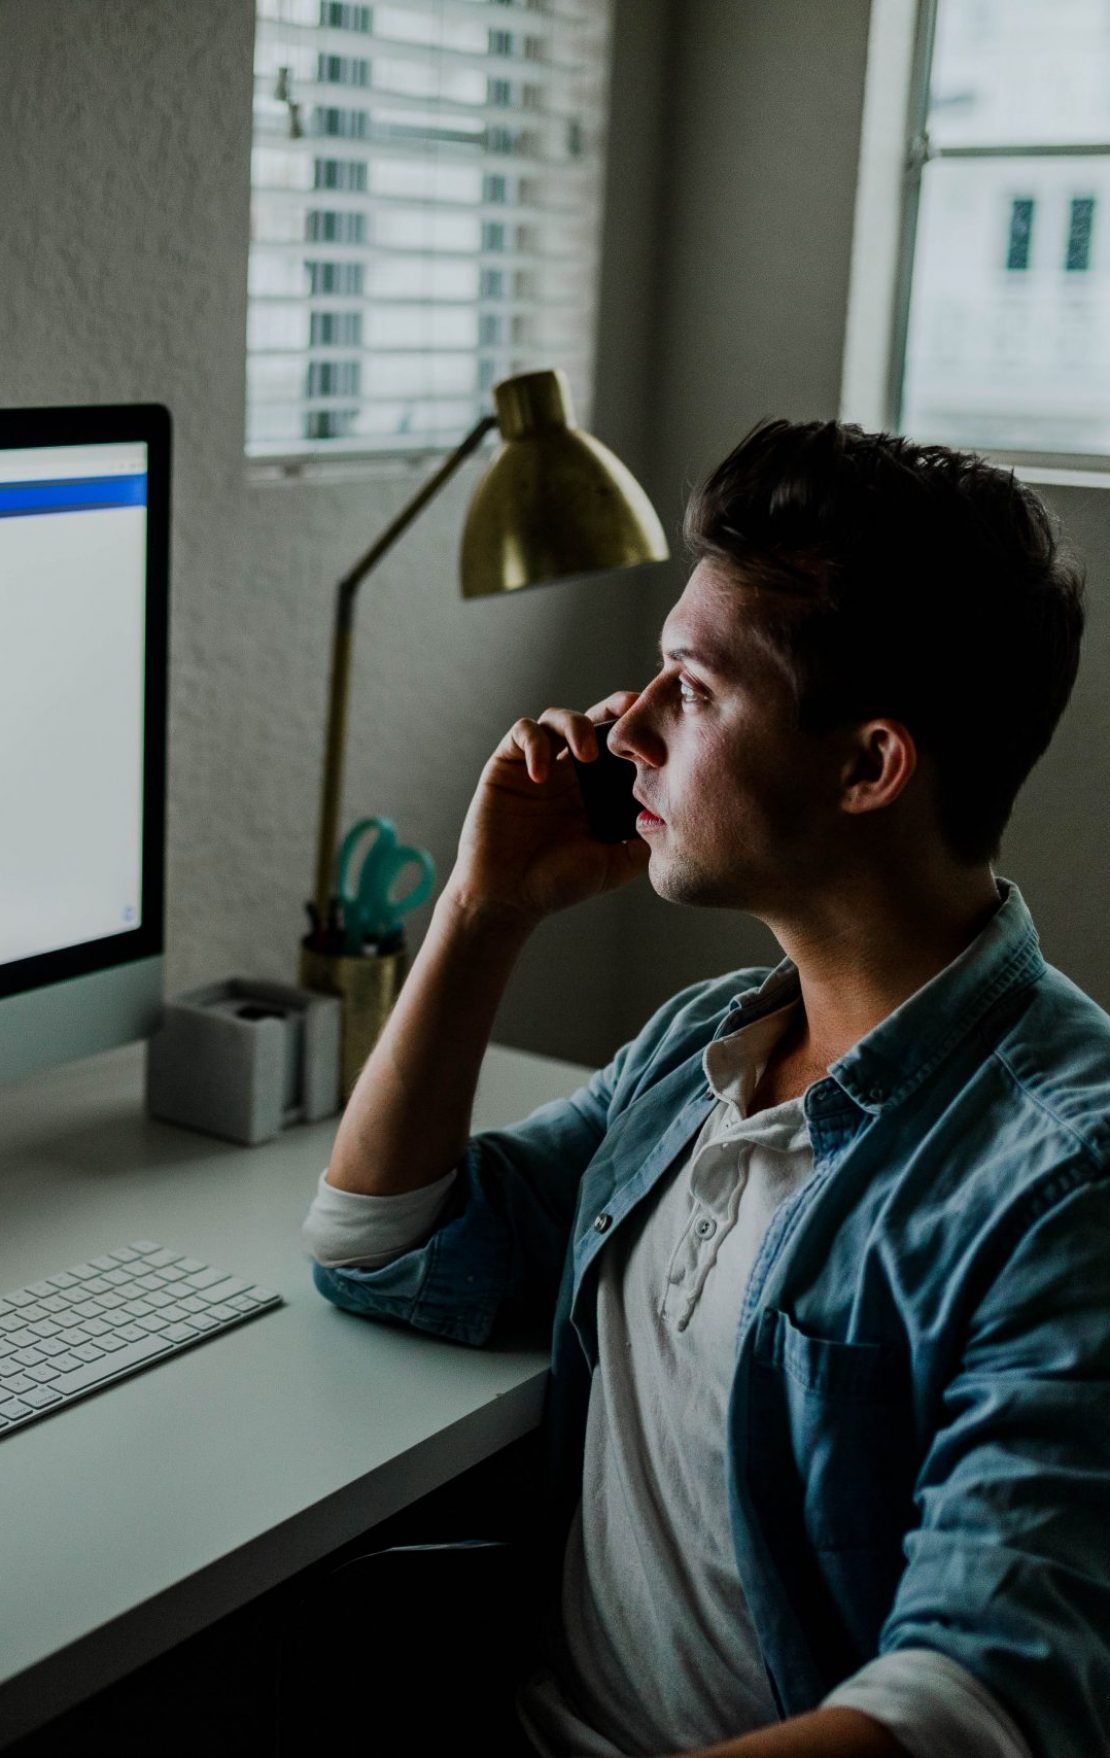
(367, 985)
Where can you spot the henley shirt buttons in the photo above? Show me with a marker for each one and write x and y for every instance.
(602, 1223)
(705, 1228)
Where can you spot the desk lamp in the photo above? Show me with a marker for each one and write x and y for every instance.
(553, 503)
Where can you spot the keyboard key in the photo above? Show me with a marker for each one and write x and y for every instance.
(32, 1312)
(45, 1327)
(154, 1283)
(264, 1293)
(65, 1362)
(62, 1280)
(137, 1308)
(96, 1285)
(205, 1278)
(124, 1255)
(157, 1260)
(13, 1407)
(22, 1339)
(96, 1327)
(83, 1272)
(43, 1374)
(88, 1309)
(20, 1298)
(200, 1321)
(117, 1276)
(157, 1301)
(131, 1333)
(143, 1245)
(190, 1303)
(224, 1289)
(39, 1288)
(75, 1334)
(179, 1333)
(153, 1323)
(110, 1301)
(103, 1263)
(55, 1303)
(243, 1303)
(222, 1312)
(15, 1383)
(11, 1321)
(41, 1397)
(111, 1341)
(188, 1265)
(30, 1357)
(49, 1346)
(173, 1314)
(87, 1352)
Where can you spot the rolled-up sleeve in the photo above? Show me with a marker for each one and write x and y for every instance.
(1008, 1569)
(498, 1249)
(499, 1245)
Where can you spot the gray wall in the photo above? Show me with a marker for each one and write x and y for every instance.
(124, 213)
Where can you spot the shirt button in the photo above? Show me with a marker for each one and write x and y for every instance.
(602, 1223)
(876, 1093)
(705, 1228)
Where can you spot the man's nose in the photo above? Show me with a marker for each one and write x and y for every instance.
(630, 736)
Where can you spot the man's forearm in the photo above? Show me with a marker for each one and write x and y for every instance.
(408, 1119)
(823, 1733)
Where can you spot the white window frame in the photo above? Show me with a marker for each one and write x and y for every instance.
(894, 148)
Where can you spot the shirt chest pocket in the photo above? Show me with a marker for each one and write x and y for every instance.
(831, 1435)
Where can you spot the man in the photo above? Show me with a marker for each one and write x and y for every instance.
(827, 1246)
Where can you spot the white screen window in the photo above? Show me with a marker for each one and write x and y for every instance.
(73, 614)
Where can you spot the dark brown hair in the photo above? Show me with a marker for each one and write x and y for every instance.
(905, 582)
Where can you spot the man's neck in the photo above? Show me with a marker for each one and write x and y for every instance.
(866, 956)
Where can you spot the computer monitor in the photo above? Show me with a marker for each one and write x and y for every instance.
(84, 549)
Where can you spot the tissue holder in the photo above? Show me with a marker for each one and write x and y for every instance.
(243, 1059)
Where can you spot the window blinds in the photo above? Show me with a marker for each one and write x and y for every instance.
(426, 207)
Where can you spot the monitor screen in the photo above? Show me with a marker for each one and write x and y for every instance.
(83, 589)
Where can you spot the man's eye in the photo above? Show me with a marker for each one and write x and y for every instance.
(687, 693)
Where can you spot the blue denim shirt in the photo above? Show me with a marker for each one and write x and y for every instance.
(919, 1424)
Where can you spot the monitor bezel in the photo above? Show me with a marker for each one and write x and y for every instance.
(150, 424)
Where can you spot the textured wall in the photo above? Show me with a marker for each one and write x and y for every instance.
(124, 211)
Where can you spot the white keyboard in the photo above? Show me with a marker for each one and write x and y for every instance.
(97, 1322)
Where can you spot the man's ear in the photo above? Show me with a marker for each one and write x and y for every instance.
(879, 767)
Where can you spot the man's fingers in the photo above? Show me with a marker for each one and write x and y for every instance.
(565, 729)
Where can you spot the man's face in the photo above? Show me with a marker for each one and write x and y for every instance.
(747, 802)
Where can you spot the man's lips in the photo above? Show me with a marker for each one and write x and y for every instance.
(650, 810)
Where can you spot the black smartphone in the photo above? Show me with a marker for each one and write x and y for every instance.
(606, 786)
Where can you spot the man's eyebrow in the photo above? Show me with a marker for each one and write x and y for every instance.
(721, 664)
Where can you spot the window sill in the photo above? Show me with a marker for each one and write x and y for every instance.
(1058, 476)
(298, 468)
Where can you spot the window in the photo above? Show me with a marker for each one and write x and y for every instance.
(426, 209)
(980, 303)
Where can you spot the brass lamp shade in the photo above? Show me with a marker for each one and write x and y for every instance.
(554, 501)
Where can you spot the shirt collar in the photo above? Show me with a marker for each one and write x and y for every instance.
(905, 1047)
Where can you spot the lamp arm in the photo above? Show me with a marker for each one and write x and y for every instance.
(342, 640)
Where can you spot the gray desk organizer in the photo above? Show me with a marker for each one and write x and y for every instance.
(243, 1059)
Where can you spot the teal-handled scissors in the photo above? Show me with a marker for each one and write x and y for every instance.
(370, 911)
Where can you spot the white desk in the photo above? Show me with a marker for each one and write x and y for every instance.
(140, 1515)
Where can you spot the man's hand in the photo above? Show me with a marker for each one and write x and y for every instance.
(526, 849)
(823, 1733)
